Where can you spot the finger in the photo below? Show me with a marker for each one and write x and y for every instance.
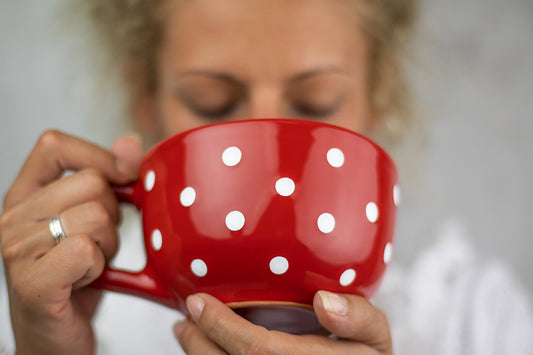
(90, 218)
(224, 327)
(238, 336)
(78, 261)
(193, 341)
(72, 264)
(79, 188)
(129, 149)
(93, 219)
(56, 152)
(28, 237)
(25, 244)
(353, 317)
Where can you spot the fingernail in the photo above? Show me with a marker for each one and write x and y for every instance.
(334, 303)
(178, 328)
(126, 169)
(195, 305)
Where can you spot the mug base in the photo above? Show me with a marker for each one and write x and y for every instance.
(287, 317)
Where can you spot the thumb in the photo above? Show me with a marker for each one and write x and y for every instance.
(128, 150)
(353, 317)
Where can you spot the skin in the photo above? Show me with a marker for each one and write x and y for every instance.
(234, 59)
(219, 61)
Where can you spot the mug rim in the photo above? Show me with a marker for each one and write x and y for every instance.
(178, 136)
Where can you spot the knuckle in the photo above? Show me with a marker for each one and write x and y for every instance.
(104, 224)
(9, 247)
(84, 248)
(7, 218)
(10, 252)
(5, 222)
(49, 139)
(94, 182)
(98, 214)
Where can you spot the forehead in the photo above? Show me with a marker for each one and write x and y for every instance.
(266, 35)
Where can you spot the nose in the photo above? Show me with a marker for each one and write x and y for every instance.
(266, 103)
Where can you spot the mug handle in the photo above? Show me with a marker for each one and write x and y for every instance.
(143, 283)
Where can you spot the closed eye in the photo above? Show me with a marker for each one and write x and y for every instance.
(212, 113)
(316, 111)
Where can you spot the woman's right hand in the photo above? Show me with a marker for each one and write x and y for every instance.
(50, 306)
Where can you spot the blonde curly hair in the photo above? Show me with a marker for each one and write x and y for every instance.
(131, 31)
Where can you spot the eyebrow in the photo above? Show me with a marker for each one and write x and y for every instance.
(326, 70)
(213, 74)
(232, 79)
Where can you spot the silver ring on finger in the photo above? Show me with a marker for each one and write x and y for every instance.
(56, 230)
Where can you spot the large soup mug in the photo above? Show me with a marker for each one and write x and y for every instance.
(262, 214)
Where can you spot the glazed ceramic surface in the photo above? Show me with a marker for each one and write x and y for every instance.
(262, 213)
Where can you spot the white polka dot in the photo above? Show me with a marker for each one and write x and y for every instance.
(187, 196)
(387, 253)
(231, 156)
(157, 239)
(235, 221)
(335, 157)
(279, 265)
(372, 212)
(285, 186)
(199, 267)
(326, 223)
(347, 277)
(149, 180)
(396, 195)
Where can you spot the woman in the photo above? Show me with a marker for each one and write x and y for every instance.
(187, 64)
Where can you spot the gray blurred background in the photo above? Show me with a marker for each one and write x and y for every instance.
(472, 72)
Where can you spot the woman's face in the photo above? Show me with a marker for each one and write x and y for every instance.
(227, 60)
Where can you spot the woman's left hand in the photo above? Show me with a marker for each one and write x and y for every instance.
(216, 329)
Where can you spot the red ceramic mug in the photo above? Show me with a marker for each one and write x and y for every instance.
(262, 214)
